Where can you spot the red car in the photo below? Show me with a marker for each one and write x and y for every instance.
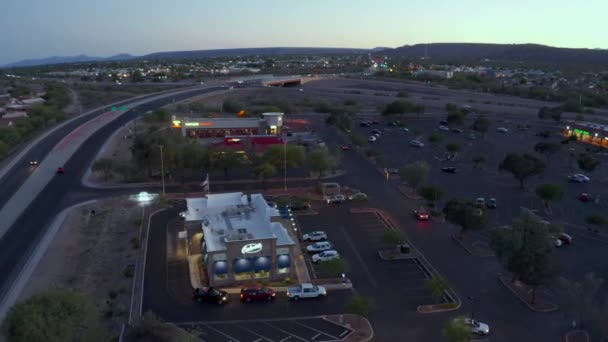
(345, 148)
(60, 170)
(584, 197)
(255, 293)
(421, 215)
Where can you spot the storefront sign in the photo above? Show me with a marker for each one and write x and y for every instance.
(205, 124)
(191, 124)
(252, 248)
(581, 132)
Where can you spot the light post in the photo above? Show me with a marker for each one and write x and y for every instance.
(162, 168)
(285, 165)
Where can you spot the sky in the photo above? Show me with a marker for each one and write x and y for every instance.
(44, 28)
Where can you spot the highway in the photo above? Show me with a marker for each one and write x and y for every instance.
(20, 240)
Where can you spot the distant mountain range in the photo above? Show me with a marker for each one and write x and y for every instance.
(440, 52)
(525, 53)
(66, 60)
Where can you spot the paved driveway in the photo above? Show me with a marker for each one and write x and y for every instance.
(315, 329)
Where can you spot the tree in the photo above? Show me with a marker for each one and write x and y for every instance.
(276, 155)
(547, 148)
(526, 250)
(359, 305)
(549, 192)
(357, 139)
(587, 163)
(434, 139)
(264, 171)
(465, 215)
(430, 194)
(582, 296)
(231, 105)
(455, 118)
(227, 160)
(319, 161)
(393, 237)
(137, 76)
(481, 125)
(478, 161)
(415, 174)
(57, 315)
(399, 107)
(452, 147)
(334, 267)
(437, 287)
(522, 166)
(105, 166)
(457, 330)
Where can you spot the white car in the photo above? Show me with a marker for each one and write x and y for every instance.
(327, 255)
(306, 290)
(372, 139)
(358, 196)
(502, 130)
(319, 247)
(336, 199)
(579, 178)
(480, 202)
(405, 129)
(444, 128)
(477, 327)
(315, 236)
(416, 143)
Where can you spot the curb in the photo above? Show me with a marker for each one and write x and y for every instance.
(347, 337)
(431, 308)
(332, 287)
(489, 255)
(573, 332)
(554, 308)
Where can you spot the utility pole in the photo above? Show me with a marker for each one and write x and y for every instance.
(162, 168)
(285, 165)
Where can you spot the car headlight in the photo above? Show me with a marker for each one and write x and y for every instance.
(224, 298)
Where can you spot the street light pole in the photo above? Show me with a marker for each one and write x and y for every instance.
(162, 168)
(472, 299)
(285, 165)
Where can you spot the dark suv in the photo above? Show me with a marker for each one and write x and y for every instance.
(209, 295)
(249, 294)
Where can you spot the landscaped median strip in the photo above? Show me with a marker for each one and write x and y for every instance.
(330, 287)
(539, 306)
(455, 301)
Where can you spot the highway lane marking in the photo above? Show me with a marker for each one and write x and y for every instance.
(364, 267)
(287, 332)
(319, 331)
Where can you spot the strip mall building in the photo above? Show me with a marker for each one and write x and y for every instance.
(587, 132)
(243, 238)
(221, 127)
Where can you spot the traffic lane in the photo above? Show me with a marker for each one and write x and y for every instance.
(286, 330)
(22, 238)
(467, 275)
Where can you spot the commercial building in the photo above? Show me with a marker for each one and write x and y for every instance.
(242, 238)
(268, 124)
(588, 132)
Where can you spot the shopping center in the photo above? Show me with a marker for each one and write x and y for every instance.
(220, 127)
(243, 238)
(587, 132)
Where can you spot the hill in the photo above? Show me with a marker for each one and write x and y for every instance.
(268, 51)
(66, 60)
(519, 53)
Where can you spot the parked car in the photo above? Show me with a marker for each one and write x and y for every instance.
(477, 327)
(579, 178)
(491, 203)
(444, 128)
(257, 293)
(562, 239)
(345, 148)
(456, 130)
(336, 199)
(449, 169)
(209, 295)
(404, 129)
(364, 124)
(421, 215)
(480, 202)
(60, 170)
(306, 290)
(502, 130)
(327, 255)
(299, 206)
(315, 236)
(416, 143)
(372, 139)
(357, 196)
(319, 247)
(585, 197)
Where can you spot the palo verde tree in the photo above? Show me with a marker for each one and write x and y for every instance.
(481, 125)
(549, 193)
(522, 166)
(526, 250)
(547, 149)
(437, 287)
(415, 174)
(464, 214)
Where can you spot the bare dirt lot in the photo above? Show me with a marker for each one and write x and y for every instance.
(95, 255)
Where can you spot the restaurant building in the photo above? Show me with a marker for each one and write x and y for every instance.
(588, 132)
(242, 238)
(220, 127)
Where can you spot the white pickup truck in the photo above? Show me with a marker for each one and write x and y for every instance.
(306, 290)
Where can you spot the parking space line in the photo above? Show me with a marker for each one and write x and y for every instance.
(313, 329)
(314, 337)
(254, 333)
(344, 333)
(287, 332)
(370, 277)
(230, 338)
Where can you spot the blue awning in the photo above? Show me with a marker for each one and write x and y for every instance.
(261, 264)
(242, 265)
(220, 267)
(283, 261)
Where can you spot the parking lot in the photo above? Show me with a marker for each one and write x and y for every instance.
(287, 330)
(358, 237)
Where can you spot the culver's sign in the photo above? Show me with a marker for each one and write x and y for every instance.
(252, 248)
